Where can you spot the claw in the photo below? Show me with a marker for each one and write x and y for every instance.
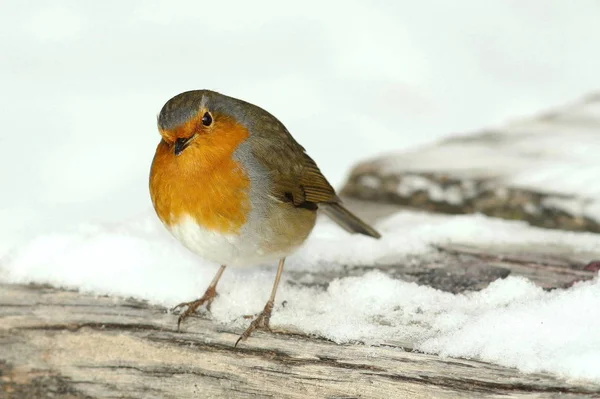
(261, 322)
(192, 306)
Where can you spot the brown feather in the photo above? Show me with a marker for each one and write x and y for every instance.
(292, 170)
(349, 221)
(295, 176)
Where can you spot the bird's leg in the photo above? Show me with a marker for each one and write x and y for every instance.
(261, 322)
(208, 297)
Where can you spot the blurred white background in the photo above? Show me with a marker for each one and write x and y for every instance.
(83, 81)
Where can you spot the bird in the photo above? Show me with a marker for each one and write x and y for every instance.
(230, 182)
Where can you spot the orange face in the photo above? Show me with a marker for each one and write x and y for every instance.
(203, 181)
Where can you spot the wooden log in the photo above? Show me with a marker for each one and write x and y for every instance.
(64, 344)
(543, 170)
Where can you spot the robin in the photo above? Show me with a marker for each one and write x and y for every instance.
(230, 182)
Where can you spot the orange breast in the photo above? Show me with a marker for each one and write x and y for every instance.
(204, 181)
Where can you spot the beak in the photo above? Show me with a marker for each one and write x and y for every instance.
(181, 144)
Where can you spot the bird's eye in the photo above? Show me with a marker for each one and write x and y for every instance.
(207, 119)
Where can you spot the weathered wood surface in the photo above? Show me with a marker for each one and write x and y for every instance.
(463, 266)
(63, 344)
(543, 170)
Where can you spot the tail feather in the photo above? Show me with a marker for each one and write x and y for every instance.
(347, 219)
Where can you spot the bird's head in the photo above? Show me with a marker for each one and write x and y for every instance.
(203, 120)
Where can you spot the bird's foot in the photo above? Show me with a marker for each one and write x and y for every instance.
(261, 322)
(192, 306)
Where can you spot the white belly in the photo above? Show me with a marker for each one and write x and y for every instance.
(244, 249)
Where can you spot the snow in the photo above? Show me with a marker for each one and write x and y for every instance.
(451, 194)
(82, 83)
(512, 322)
(554, 154)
